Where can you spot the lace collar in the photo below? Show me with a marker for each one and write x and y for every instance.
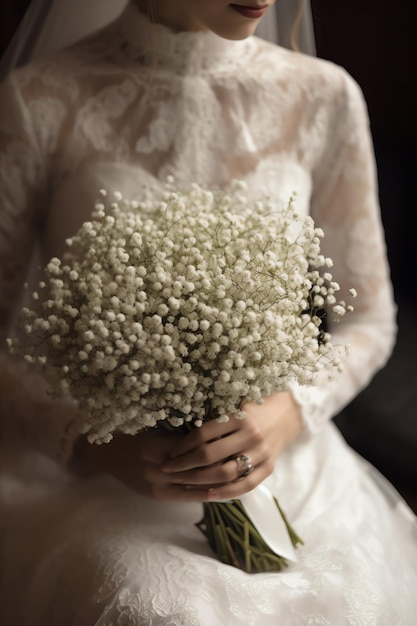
(181, 52)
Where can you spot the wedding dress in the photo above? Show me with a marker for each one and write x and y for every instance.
(122, 110)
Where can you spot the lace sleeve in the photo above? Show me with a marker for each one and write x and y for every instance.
(27, 415)
(345, 205)
(21, 188)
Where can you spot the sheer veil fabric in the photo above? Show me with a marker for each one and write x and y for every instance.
(50, 25)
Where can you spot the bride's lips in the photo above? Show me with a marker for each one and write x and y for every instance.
(253, 12)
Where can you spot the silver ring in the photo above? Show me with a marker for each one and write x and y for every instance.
(244, 465)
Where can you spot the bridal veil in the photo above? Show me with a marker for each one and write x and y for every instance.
(50, 25)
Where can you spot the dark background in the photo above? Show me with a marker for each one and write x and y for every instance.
(375, 41)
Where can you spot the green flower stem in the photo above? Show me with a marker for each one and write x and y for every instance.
(263, 553)
(219, 543)
(215, 531)
(235, 540)
(237, 510)
(295, 539)
(223, 531)
(247, 547)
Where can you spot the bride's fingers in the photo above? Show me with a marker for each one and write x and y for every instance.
(181, 493)
(209, 431)
(211, 453)
(229, 471)
(229, 491)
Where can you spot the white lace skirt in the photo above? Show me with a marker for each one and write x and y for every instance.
(90, 552)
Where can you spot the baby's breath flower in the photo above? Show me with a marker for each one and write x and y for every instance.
(180, 310)
(339, 309)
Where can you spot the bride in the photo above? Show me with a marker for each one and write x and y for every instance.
(104, 535)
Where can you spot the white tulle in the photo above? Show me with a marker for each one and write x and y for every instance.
(68, 21)
(122, 111)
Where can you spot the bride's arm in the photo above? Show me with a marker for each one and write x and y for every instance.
(27, 415)
(345, 205)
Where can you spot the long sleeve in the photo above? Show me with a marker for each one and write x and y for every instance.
(21, 189)
(27, 415)
(345, 204)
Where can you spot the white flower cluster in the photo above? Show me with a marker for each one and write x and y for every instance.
(179, 309)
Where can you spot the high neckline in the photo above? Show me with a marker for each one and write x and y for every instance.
(184, 52)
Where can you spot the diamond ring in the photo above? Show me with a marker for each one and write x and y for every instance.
(244, 465)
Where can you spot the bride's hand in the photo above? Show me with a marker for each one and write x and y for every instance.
(137, 462)
(207, 455)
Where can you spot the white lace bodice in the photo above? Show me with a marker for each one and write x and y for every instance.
(137, 102)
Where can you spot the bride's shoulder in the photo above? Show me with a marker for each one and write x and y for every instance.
(94, 54)
(312, 74)
(65, 73)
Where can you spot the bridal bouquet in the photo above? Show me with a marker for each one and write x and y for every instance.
(175, 311)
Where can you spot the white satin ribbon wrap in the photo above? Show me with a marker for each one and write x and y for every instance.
(263, 512)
